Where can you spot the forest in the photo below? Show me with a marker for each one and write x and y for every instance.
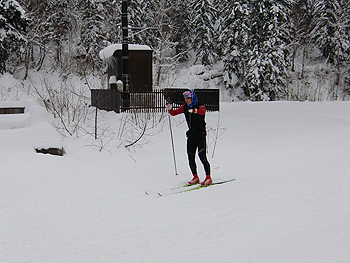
(261, 50)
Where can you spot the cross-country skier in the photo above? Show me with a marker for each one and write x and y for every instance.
(196, 134)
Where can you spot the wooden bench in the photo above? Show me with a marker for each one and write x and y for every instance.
(12, 110)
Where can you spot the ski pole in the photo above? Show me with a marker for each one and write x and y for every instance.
(172, 141)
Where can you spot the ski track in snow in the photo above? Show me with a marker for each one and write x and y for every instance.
(290, 201)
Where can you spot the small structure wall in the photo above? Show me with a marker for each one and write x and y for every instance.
(140, 65)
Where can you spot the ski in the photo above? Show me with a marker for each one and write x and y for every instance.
(189, 188)
(175, 189)
(197, 187)
(183, 186)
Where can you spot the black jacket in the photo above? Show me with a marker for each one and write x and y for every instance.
(195, 121)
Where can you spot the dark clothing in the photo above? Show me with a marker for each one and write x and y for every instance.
(195, 122)
(193, 144)
(196, 134)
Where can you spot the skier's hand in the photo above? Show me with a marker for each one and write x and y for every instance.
(168, 106)
(192, 110)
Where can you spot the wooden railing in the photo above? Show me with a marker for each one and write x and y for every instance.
(153, 101)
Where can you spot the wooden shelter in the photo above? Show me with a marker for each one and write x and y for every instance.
(140, 66)
(138, 93)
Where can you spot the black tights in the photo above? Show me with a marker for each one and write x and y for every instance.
(192, 145)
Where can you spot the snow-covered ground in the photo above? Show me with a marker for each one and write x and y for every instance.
(290, 201)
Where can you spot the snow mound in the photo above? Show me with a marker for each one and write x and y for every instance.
(30, 130)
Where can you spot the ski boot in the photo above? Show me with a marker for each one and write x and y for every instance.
(195, 180)
(208, 181)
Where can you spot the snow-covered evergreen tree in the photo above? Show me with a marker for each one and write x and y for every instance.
(203, 22)
(257, 37)
(39, 32)
(234, 40)
(252, 37)
(179, 23)
(330, 32)
(331, 35)
(112, 20)
(12, 28)
(302, 22)
(146, 17)
(60, 24)
(93, 28)
(267, 49)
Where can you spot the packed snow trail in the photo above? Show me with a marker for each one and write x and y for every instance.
(290, 201)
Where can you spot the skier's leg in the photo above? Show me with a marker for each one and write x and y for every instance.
(191, 153)
(202, 147)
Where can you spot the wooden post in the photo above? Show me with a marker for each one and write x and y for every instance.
(125, 47)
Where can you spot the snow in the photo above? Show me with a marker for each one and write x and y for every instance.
(290, 201)
(109, 51)
(29, 131)
(195, 77)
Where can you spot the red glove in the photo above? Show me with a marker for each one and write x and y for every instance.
(192, 110)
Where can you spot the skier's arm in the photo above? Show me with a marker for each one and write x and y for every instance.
(177, 111)
(200, 110)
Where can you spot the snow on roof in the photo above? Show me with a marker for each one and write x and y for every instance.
(11, 104)
(108, 51)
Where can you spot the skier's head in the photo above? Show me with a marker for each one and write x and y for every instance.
(190, 97)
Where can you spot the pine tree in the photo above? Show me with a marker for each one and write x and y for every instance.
(60, 24)
(257, 37)
(203, 22)
(332, 38)
(221, 13)
(252, 37)
(303, 22)
(39, 31)
(179, 21)
(234, 40)
(330, 31)
(112, 20)
(50, 26)
(146, 19)
(267, 49)
(12, 28)
(92, 29)
(149, 18)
